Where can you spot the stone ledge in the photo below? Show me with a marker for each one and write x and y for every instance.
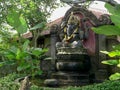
(68, 50)
(72, 57)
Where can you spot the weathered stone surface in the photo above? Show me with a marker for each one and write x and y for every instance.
(74, 82)
(45, 65)
(70, 75)
(51, 82)
(68, 50)
(72, 57)
(101, 75)
(71, 78)
(72, 48)
(70, 66)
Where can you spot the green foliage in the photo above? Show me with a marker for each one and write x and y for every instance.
(107, 85)
(21, 16)
(111, 29)
(24, 15)
(111, 62)
(115, 76)
(107, 30)
(115, 62)
(19, 54)
(26, 59)
(34, 11)
(40, 25)
(17, 21)
(115, 14)
(7, 83)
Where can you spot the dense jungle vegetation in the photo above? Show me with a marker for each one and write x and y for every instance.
(20, 57)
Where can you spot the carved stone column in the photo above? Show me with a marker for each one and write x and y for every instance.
(53, 33)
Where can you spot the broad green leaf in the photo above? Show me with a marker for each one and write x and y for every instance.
(115, 76)
(37, 52)
(23, 55)
(25, 45)
(39, 72)
(13, 49)
(22, 28)
(118, 65)
(18, 54)
(111, 62)
(23, 67)
(107, 30)
(117, 9)
(2, 63)
(105, 52)
(10, 56)
(116, 20)
(17, 21)
(110, 8)
(6, 62)
(40, 25)
(13, 18)
(44, 50)
(114, 53)
(113, 10)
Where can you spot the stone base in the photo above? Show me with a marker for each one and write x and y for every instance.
(71, 78)
(72, 57)
(46, 65)
(51, 82)
(70, 75)
(101, 75)
(72, 67)
(73, 82)
(80, 66)
(68, 50)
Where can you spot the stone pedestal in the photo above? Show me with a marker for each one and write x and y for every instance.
(72, 67)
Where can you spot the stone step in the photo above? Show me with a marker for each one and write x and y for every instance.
(73, 82)
(70, 76)
(72, 57)
(60, 82)
(73, 66)
(68, 50)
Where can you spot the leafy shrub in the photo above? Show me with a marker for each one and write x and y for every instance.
(8, 83)
(107, 85)
(112, 30)
(25, 59)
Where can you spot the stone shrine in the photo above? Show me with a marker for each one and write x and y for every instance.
(75, 49)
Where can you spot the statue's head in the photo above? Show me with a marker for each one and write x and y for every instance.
(72, 23)
(73, 19)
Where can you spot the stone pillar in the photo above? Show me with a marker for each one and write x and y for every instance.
(101, 74)
(53, 33)
(102, 47)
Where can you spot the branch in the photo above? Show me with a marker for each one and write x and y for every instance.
(112, 2)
